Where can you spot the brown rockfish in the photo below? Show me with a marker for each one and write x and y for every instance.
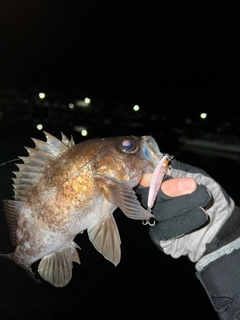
(63, 188)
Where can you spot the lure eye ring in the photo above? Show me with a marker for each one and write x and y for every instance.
(128, 145)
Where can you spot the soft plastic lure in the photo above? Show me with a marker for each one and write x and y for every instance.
(157, 178)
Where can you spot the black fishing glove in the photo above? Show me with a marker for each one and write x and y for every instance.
(175, 216)
(205, 226)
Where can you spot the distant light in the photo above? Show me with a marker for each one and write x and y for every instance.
(203, 115)
(136, 107)
(85, 103)
(42, 95)
(71, 106)
(81, 129)
(84, 133)
(39, 126)
(87, 100)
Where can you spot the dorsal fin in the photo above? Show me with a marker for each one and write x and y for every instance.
(30, 171)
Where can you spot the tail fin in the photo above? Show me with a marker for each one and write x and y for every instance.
(11, 210)
(27, 270)
(6, 255)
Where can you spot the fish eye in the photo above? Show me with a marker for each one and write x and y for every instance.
(128, 145)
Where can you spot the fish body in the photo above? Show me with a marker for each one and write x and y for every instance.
(63, 188)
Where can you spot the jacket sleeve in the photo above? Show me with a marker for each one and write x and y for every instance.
(219, 270)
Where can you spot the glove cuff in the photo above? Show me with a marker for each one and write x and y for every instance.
(210, 258)
(218, 272)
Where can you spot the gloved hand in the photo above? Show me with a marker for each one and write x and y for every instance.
(205, 226)
(186, 224)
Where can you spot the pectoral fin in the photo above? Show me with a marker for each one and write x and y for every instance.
(106, 239)
(56, 267)
(125, 198)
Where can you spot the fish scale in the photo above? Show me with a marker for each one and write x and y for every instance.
(63, 188)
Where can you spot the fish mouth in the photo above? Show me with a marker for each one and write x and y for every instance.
(151, 150)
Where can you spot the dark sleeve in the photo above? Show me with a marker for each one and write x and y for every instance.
(219, 269)
(221, 280)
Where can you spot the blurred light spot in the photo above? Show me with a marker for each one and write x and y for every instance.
(71, 106)
(81, 129)
(87, 100)
(203, 115)
(82, 103)
(84, 132)
(42, 95)
(188, 121)
(39, 126)
(136, 107)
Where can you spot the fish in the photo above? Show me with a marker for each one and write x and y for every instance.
(62, 189)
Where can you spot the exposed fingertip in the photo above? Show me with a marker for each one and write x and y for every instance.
(146, 180)
(187, 185)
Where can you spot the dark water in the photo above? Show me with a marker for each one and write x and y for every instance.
(146, 283)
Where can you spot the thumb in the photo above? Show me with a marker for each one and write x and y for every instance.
(178, 186)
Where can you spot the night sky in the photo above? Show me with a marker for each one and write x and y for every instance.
(125, 51)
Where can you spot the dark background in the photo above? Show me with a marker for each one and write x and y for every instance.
(174, 59)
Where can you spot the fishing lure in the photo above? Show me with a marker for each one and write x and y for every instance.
(157, 178)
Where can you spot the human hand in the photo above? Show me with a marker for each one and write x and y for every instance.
(196, 217)
(186, 217)
(174, 187)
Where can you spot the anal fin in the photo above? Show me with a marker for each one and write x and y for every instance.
(56, 268)
(106, 239)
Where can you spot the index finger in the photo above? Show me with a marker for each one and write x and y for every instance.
(178, 186)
